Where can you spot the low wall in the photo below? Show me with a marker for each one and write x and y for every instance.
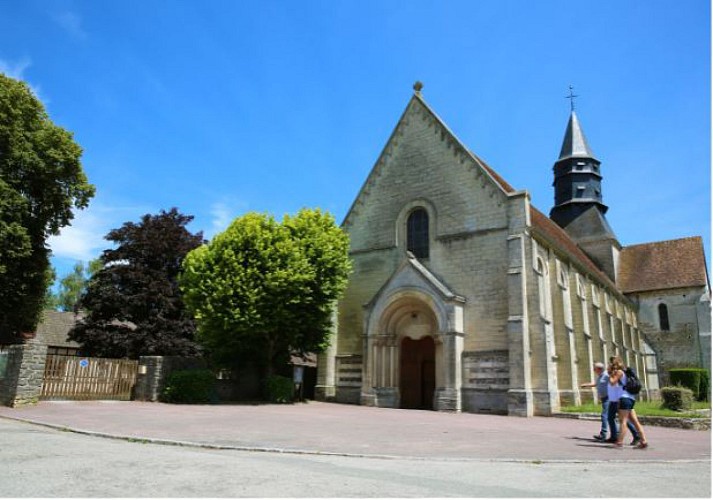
(21, 373)
(153, 371)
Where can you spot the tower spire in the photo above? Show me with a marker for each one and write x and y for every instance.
(577, 177)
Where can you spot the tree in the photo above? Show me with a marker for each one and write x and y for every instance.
(263, 289)
(74, 285)
(41, 184)
(133, 302)
(51, 299)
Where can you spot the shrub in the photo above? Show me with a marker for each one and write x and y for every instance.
(696, 379)
(280, 389)
(676, 398)
(189, 386)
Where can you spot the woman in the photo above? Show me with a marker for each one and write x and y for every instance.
(617, 381)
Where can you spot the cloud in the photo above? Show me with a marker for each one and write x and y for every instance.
(222, 214)
(84, 238)
(72, 24)
(17, 71)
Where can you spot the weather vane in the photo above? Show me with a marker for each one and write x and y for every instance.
(571, 97)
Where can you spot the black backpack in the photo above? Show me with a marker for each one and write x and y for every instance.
(633, 384)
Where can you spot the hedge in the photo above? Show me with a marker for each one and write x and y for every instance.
(696, 379)
(280, 389)
(676, 398)
(189, 386)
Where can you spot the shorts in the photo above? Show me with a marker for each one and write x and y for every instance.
(626, 404)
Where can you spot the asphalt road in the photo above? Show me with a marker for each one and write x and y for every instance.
(41, 462)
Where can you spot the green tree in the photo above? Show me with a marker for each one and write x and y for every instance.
(51, 299)
(74, 285)
(41, 185)
(133, 303)
(263, 289)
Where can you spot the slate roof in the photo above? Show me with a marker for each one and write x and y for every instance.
(663, 265)
(574, 144)
(54, 327)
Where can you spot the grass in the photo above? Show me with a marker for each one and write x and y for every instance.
(643, 408)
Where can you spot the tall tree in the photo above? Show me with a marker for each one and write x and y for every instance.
(263, 289)
(133, 303)
(41, 184)
(74, 285)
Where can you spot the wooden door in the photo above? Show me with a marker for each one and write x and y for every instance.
(418, 373)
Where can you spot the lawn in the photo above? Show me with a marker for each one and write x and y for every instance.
(643, 408)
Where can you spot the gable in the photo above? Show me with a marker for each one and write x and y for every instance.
(423, 160)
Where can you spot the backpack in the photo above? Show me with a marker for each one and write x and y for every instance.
(633, 384)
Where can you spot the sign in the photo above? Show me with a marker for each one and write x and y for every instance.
(84, 362)
(298, 374)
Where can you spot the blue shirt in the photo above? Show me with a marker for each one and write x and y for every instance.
(603, 385)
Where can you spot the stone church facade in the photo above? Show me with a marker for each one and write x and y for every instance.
(465, 297)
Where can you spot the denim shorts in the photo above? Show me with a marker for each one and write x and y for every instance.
(626, 404)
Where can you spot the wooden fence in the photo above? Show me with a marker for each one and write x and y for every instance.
(72, 377)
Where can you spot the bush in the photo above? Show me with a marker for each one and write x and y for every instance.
(189, 386)
(696, 379)
(677, 398)
(280, 389)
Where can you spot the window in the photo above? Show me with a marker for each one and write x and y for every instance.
(663, 317)
(417, 233)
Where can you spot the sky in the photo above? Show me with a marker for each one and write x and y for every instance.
(223, 107)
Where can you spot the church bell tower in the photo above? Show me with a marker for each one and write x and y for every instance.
(578, 180)
(579, 208)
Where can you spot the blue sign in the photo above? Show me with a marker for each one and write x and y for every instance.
(84, 362)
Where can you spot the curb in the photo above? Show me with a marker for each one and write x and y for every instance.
(296, 451)
(694, 424)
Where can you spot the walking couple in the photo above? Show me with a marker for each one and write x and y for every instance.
(615, 400)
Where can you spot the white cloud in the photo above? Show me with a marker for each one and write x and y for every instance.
(222, 214)
(17, 71)
(84, 238)
(72, 24)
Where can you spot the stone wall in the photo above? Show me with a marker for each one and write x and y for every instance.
(153, 371)
(21, 379)
(687, 341)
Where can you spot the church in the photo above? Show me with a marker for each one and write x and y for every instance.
(465, 297)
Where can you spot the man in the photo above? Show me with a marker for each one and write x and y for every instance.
(601, 383)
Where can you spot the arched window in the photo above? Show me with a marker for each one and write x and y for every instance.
(663, 317)
(417, 233)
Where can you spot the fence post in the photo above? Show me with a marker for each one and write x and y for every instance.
(21, 379)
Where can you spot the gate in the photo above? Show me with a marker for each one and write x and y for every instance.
(72, 377)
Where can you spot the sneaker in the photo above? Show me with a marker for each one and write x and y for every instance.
(599, 437)
(635, 441)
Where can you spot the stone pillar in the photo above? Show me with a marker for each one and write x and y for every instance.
(448, 397)
(325, 389)
(520, 402)
(150, 378)
(21, 382)
(368, 396)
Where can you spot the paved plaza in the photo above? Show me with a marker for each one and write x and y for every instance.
(326, 428)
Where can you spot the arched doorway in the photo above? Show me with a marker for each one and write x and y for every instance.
(418, 373)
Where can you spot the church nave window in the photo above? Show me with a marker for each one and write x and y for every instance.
(417, 233)
(663, 318)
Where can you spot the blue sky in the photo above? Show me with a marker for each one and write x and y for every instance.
(221, 107)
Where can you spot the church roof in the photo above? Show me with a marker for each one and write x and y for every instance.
(557, 236)
(574, 144)
(663, 265)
